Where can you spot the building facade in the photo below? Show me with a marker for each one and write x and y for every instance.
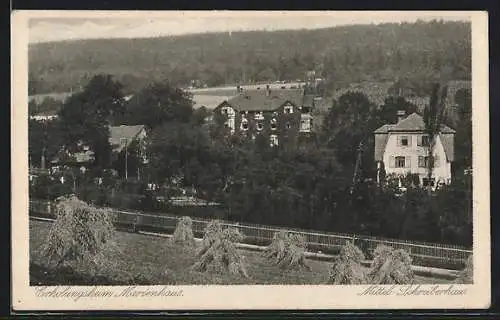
(403, 148)
(283, 115)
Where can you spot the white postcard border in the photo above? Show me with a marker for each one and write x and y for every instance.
(211, 297)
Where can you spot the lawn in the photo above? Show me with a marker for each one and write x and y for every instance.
(144, 260)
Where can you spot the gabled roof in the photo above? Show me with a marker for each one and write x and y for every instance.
(118, 133)
(258, 100)
(414, 122)
(208, 101)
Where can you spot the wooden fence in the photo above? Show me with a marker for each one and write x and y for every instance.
(262, 235)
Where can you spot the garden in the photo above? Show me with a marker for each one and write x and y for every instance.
(82, 247)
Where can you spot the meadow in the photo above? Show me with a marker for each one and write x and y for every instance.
(139, 259)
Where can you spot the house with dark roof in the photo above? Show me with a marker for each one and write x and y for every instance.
(282, 114)
(403, 148)
(120, 138)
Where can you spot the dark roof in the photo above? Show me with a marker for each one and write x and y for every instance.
(208, 101)
(116, 134)
(258, 100)
(414, 122)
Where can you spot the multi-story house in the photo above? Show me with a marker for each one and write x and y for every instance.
(403, 148)
(281, 114)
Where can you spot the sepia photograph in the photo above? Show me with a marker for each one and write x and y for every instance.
(250, 160)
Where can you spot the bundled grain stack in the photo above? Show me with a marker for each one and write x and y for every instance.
(218, 253)
(391, 266)
(183, 233)
(466, 276)
(347, 268)
(80, 233)
(287, 250)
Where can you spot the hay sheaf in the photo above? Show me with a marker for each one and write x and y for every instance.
(347, 268)
(288, 251)
(183, 233)
(391, 266)
(81, 233)
(466, 276)
(218, 253)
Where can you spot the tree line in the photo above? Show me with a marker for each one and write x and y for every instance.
(309, 185)
(420, 51)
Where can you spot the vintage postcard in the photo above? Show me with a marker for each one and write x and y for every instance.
(210, 160)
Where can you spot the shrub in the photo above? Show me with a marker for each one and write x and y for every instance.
(287, 249)
(183, 233)
(466, 276)
(347, 268)
(81, 233)
(218, 253)
(391, 266)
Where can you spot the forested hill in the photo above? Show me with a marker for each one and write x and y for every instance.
(421, 52)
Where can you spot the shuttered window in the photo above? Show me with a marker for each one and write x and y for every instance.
(400, 162)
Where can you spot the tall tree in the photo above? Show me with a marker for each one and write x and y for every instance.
(463, 136)
(434, 119)
(157, 104)
(86, 116)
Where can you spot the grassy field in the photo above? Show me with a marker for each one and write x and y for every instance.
(144, 260)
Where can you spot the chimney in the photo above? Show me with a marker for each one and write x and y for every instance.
(401, 115)
(268, 91)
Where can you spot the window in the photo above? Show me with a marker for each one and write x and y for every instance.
(230, 124)
(305, 125)
(288, 126)
(260, 126)
(259, 116)
(423, 162)
(273, 124)
(424, 141)
(244, 124)
(400, 162)
(288, 109)
(273, 140)
(404, 141)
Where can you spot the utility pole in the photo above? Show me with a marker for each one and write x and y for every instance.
(126, 159)
(357, 166)
(125, 140)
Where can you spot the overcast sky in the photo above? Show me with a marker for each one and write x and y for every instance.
(73, 25)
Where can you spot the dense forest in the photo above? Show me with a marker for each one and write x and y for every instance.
(420, 52)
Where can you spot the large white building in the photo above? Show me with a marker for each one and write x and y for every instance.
(403, 148)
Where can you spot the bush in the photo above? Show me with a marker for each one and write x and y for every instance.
(466, 276)
(347, 268)
(287, 249)
(81, 233)
(391, 266)
(218, 253)
(183, 233)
